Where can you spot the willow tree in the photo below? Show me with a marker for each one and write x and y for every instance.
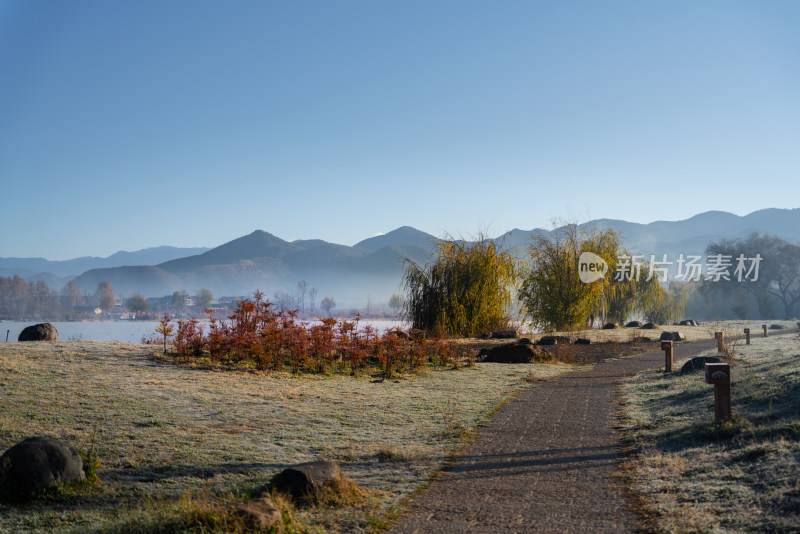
(552, 294)
(468, 289)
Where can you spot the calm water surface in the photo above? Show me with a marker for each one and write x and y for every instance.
(123, 331)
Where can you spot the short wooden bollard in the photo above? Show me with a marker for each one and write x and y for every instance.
(747, 336)
(766, 334)
(666, 346)
(720, 341)
(719, 374)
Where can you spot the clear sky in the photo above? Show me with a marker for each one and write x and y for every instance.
(126, 125)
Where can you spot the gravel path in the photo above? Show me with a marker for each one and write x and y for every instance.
(545, 462)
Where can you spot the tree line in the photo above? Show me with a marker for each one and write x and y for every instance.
(472, 287)
(35, 300)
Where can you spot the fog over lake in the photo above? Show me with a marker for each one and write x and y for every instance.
(125, 331)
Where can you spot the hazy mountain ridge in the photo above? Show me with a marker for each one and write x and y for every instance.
(373, 268)
(67, 269)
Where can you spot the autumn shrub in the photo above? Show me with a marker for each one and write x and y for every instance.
(189, 339)
(257, 334)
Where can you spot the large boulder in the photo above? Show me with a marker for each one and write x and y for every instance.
(258, 514)
(698, 363)
(672, 336)
(634, 324)
(503, 334)
(35, 464)
(305, 479)
(610, 326)
(517, 353)
(777, 326)
(583, 341)
(39, 332)
(649, 326)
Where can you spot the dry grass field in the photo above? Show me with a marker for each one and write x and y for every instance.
(171, 438)
(742, 476)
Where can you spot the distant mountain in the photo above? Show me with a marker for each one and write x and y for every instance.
(373, 268)
(70, 268)
(259, 244)
(146, 279)
(403, 236)
(690, 236)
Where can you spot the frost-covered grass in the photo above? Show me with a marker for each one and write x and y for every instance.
(742, 476)
(167, 434)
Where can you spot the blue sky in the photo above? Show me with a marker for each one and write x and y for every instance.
(125, 125)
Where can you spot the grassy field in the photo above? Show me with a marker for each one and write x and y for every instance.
(743, 476)
(170, 437)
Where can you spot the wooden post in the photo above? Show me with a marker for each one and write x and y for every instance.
(666, 346)
(766, 334)
(747, 335)
(718, 337)
(719, 374)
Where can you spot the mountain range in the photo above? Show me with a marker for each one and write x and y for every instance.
(369, 270)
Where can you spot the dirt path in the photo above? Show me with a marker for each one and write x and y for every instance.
(544, 463)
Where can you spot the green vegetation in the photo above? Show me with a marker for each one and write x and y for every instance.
(741, 476)
(137, 303)
(552, 294)
(468, 289)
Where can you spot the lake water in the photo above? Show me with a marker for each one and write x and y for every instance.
(124, 331)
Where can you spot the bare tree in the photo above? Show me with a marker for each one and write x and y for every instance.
(396, 303)
(105, 296)
(327, 305)
(312, 297)
(283, 300)
(203, 299)
(302, 290)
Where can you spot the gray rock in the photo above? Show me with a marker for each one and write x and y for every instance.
(777, 326)
(304, 479)
(672, 336)
(698, 363)
(35, 464)
(39, 332)
(649, 326)
(554, 340)
(504, 334)
(634, 324)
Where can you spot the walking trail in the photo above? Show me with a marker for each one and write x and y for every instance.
(545, 462)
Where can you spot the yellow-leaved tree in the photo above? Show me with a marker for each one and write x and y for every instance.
(552, 295)
(467, 289)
